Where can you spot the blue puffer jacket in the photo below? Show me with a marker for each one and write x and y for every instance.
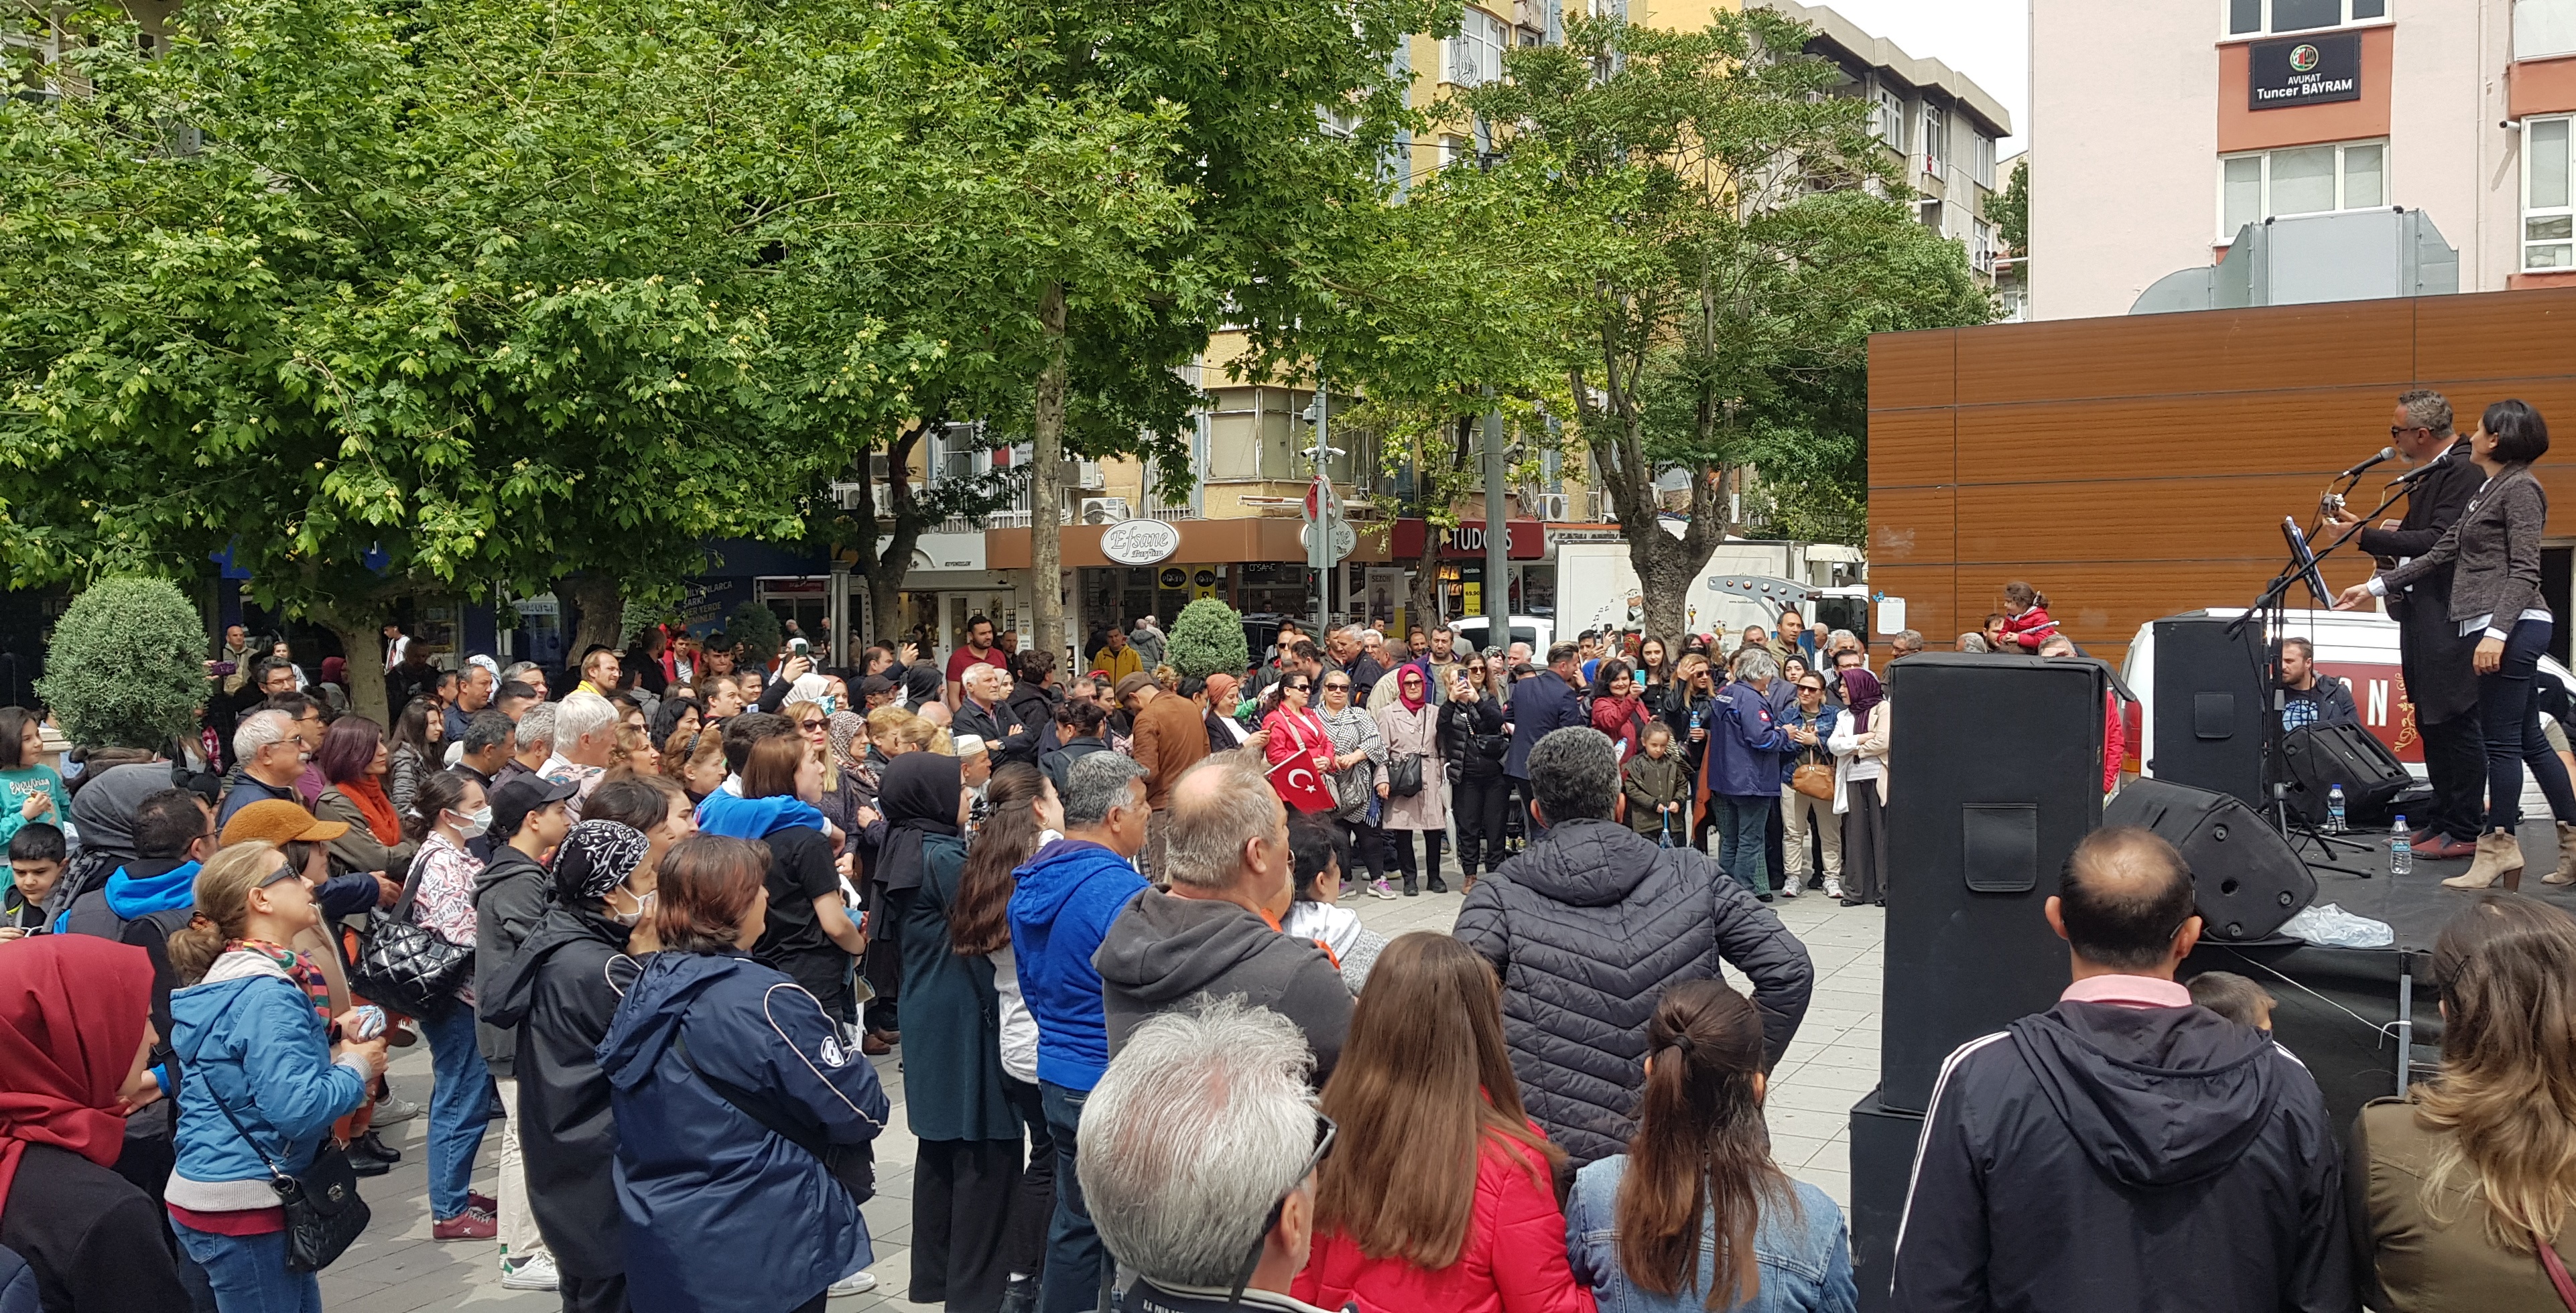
(699, 1178)
(1745, 744)
(249, 1036)
(1067, 896)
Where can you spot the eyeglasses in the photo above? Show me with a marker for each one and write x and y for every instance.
(1337, 686)
(2401, 430)
(1325, 1133)
(809, 724)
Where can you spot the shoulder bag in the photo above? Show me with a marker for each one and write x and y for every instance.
(324, 1214)
(1404, 776)
(406, 965)
(1813, 778)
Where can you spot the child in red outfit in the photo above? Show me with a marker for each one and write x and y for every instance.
(2028, 625)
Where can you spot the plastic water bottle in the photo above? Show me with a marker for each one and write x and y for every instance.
(2334, 810)
(2401, 850)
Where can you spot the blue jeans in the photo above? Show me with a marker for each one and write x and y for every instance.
(249, 1272)
(460, 1107)
(1074, 1252)
(2509, 718)
(1743, 837)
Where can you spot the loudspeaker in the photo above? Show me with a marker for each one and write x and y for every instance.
(1994, 775)
(2208, 703)
(2248, 879)
(1883, 1143)
(2318, 757)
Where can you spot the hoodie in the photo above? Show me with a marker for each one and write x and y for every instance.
(131, 896)
(1068, 895)
(551, 1001)
(700, 1174)
(728, 813)
(1163, 952)
(2114, 1158)
(510, 896)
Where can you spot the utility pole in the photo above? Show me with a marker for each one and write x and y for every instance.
(1498, 537)
(1319, 546)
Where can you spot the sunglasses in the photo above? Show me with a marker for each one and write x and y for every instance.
(1325, 1133)
(1336, 686)
(1811, 688)
(1297, 688)
(809, 724)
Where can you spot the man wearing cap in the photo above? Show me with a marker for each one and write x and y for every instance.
(510, 898)
(1170, 738)
(875, 691)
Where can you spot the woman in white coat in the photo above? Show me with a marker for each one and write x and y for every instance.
(1859, 745)
(1411, 727)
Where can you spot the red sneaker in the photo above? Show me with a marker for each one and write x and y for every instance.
(467, 1225)
(478, 1202)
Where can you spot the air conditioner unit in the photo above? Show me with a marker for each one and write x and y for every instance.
(1083, 474)
(1552, 506)
(1102, 510)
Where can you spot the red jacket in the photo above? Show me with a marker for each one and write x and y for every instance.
(1624, 720)
(2030, 629)
(2115, 741)
(1513, 1260)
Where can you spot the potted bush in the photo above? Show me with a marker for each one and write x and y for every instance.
(126, 668)
(1206, 639)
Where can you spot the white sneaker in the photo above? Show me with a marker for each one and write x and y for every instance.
(1834, 889)
(856, 1283)
(393, 1109)
(536, 1273)
(1791, 888)
(1381, 889)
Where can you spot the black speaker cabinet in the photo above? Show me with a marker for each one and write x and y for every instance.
(1883, 1143)
(2209, 702)
(1995, 774)
(2248, 879)
(2319, 757)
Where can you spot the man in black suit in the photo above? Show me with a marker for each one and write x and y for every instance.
(2433, 656)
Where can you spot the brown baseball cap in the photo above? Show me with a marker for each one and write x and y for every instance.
(280, 821)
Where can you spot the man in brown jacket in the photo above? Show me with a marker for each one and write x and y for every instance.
(1170, 738)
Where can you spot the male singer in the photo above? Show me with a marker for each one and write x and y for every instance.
(2434, 657)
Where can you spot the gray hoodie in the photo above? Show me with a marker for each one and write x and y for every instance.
(1162, 952)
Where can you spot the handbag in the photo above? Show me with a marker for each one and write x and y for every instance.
(1813, 780)
(405, 965)
(324, 1214)
(1404, 776)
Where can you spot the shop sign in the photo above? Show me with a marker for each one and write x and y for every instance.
(1559, 537)
(1140, 542)
(2313, 70)
(1173, 577)
(1467, 540)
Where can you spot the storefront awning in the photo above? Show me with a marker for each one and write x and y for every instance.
(1202, 542)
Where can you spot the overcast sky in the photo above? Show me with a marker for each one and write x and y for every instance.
(1989, 40)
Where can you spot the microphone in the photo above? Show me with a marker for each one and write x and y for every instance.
(2385, 454)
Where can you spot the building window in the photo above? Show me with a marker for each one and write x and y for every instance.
(2548, 222)
(2258, 17)
(1936, 143)
(1455, 150)
(1474, 57)
(1891, 119)
(2300, 180)
(2542, 28)
(1981, 159)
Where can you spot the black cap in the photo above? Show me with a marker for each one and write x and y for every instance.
(512, 802)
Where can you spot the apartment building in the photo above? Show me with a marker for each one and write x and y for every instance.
(2159, 138)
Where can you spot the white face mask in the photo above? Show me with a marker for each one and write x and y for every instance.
(474, 823)
(643, 904)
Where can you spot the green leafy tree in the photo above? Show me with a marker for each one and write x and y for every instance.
(756, 633)
(1724, 235)
(2011, 210)
(1207, 638)
(126, 666)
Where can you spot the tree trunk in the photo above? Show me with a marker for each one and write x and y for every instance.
(885, 570)
(362, 647)
(1046, 546)
(1424, 606)
(600, 607)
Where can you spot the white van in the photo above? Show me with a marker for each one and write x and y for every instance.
(1468, 633)
(2358, 647)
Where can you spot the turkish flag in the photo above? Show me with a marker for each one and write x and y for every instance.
(1300, 757)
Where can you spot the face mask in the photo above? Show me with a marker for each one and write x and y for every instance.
(472, 824)
(643, 905)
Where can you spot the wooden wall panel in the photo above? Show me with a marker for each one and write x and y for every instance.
(2180, 436)
(2495, 335)
(1913, 369)
(1907, 525)
(1913, 448)
(1930, 604)
(2347, 344)
(2014, 526)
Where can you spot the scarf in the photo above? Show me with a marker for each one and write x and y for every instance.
(1861, 692)
(335, 670)
(1411, 702)
(1355, 786)
(297, 966)
(847, 727)
(597, 856)
(72, 1012)
(368, 793)
(919, 799)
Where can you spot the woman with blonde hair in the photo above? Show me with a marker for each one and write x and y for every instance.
(695, 761)
(634, 753)
(2467, 1188)
(1438, 1194)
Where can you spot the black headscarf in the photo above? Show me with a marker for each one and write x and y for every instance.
(918, 798)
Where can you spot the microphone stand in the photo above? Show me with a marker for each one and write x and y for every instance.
(2272, 608)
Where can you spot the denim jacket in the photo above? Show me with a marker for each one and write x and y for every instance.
(1805, 1259)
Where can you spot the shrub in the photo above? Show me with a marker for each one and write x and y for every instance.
(1207, 638)
(126, 665)
(755, 632)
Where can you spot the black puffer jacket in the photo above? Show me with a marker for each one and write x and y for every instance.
(1587, 927)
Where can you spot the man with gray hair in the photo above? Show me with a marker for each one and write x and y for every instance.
(271, 758)
(528, 673)
(1588, 928)
(1745, 749)
(1202, 1158)
(1906, 643)
(535, 742)
(585, 735)
(1067, 897)
(1215, 932)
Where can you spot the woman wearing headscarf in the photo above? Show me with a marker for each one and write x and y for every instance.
(75, 1051)
(1859, 745)
(558, 993)
(968, 1164)
(1411, 727)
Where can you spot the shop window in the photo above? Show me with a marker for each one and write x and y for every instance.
(2259, 17)
(2300, 180)
(2548, 222)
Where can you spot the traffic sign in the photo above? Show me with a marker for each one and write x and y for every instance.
(1344, 541)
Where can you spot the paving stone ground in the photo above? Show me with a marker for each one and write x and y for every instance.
(397, 1268)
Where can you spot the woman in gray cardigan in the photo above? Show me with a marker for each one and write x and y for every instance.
(2494, 552)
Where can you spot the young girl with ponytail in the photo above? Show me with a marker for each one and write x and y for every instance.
(1696, 1215)
(252, 1045)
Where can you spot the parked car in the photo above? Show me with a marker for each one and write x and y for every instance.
(1536, 631)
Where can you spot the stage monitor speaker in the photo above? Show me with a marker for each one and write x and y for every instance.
(2209, 701)
(2318, 757)
(1995, 775)
(1883, 1143)
(2248, 878)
